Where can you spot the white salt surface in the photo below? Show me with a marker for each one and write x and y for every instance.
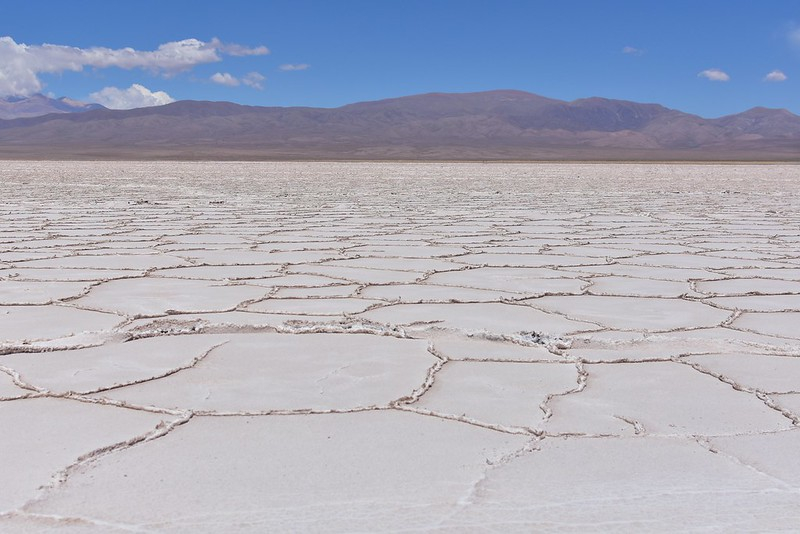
(9, 390)
(790, 402)
(455, 347)
(21, 292)
(157, 296)
(420, 293)
(314, 306)
(268, 372)
(21, 324)
(252, 347)
(502, 393)
(51, 435)
(634, 313)
(781, 324)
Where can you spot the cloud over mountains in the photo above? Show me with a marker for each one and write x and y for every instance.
(135, 96)
(21, 65)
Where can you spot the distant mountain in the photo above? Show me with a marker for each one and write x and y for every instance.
(491, 125)
(37, 105)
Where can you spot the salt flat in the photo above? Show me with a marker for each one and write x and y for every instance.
(251, 347)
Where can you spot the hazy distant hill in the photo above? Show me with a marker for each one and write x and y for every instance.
(474, 126)
(37, 105)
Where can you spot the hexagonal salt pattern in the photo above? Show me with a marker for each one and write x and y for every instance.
(251, 347)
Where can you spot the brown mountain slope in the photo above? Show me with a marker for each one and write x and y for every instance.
(38, 105)
(489, 125)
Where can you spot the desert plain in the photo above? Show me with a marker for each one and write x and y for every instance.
(315, 346)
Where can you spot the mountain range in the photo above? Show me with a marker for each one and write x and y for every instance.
(491, 125)
(37, 105)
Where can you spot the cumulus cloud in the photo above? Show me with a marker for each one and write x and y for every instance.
(254, 80)
(775, 76)
(224, 78)
(135, 96)
(632, 51)
(21, 64)
(294, 66)
(715, 75)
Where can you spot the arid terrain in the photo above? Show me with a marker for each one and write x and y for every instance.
(261, 347)
(486, 126)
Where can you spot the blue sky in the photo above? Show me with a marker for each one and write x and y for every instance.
(366, 50)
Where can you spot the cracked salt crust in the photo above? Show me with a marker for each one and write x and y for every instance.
(768, 372)
(67, 275)
(782, 324)
(155, 296)
(314, 306)
(758, 303)
(747, 286)
(420, 293)
(633, 313)
(317, 292)
(666, 398)
(626, 485)
(675, 274)
(54, 433)
(419, 265)
(252, 257)
(697, 260)
(790, 402)
(381, 346)
(482, 349)
(24, 292)
(516, 281)
(356, 274)
(21, 324)
(775, 274)
(639, 287)
(297, 281)
(507, 394)
(677, 342)
(265, 372)
(216, 272)
(9, 390)
(112, 364)
(423, 250)
(338, 483)
(527, 260)
(187, 323)
(106, 261)
(478, 317)
(748, 450)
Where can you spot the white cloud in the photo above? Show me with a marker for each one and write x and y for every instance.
(224, 78)
(239, 50)
(294, 66)
(135, 96)
(251, 79)
(21, 64)
(715, 75)
(632, 51)
(254, 80)
(775, 76)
